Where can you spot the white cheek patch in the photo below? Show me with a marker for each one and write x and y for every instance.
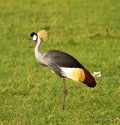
(34, 37)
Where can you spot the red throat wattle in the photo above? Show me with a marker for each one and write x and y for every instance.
(35, 43)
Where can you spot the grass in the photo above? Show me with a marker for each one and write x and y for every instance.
(29, 93)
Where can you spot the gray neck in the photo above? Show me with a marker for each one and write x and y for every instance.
(38, 55)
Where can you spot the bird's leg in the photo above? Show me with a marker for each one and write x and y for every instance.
(64, 93)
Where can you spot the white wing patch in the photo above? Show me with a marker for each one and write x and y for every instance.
(76, 74)
(66, 71)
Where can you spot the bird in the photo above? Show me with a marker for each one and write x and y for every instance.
(61, 63)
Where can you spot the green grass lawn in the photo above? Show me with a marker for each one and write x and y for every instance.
(87, 29)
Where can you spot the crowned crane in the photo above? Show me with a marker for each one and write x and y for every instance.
(61, 63)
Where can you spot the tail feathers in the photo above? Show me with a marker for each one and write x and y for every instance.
(89, 79)
(79, 75)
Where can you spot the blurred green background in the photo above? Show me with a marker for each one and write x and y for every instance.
(30, 94)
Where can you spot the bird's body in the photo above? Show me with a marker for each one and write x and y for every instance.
(63, 64)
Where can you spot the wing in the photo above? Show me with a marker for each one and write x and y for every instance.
(65, 65)
(61, 59)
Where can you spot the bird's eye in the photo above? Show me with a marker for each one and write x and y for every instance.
(34, 37)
